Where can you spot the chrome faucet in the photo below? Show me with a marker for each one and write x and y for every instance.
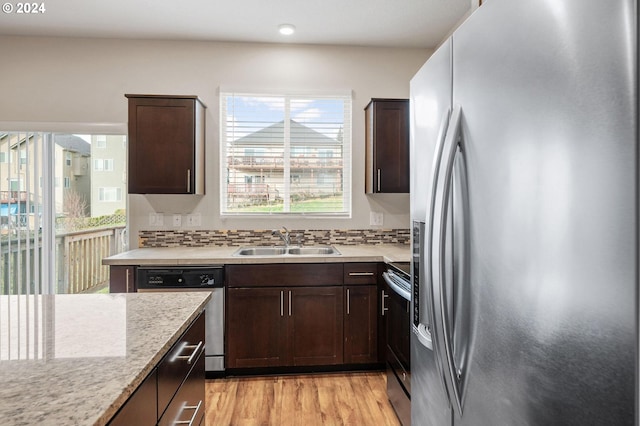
(285, 237)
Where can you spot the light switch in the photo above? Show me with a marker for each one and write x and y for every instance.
(194, 219)
(376, 219)
(156, 219)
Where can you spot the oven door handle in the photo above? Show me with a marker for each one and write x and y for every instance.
(395, 287)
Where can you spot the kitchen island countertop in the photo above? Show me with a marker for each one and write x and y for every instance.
(76, 359)
(225, 255)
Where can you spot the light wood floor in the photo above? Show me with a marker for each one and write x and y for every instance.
(358, 399)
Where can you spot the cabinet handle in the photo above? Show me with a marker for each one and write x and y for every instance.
(379, 173)
(189, 358)
(289, 302)
(384, 308)
(360, 274)
(348, 301)
(189, 422)
(189, 180)
(126, 280)
(281, 303)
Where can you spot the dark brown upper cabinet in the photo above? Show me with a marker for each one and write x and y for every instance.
(166, 144)
(387, 146)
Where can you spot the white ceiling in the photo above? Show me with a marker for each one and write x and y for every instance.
(392, 23)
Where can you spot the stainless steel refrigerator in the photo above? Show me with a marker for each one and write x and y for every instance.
(524, 201)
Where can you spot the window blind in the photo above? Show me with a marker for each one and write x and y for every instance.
(285, 154)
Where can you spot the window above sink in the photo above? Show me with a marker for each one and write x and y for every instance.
(285, 154)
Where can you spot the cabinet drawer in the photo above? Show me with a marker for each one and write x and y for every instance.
(278, 274)
(360, 273)
(175, 366)
(140, 409)
(188, 406)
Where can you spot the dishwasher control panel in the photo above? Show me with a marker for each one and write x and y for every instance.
(176, 277)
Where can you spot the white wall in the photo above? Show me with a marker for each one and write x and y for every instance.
(84, 80)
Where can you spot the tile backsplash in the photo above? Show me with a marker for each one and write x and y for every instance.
(252, 237)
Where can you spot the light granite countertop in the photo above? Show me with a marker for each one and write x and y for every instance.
(224, 255)
(76, 359)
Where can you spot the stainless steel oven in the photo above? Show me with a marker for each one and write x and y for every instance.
(397, 329)
(194, 278)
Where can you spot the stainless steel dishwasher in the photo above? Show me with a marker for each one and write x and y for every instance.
(194, 278)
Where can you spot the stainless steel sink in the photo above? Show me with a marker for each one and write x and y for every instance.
(311, 250)
(283, 251)
(261, 251)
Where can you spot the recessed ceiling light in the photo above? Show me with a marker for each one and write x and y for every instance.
(286, 29)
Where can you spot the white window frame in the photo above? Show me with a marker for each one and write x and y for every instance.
(289, 153)
(101, 141)
(115, 194)
(103, 164)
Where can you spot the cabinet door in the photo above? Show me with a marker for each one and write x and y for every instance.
(387, 146)
(163, 145)
(315, 325)
(256, 327)
(141, 408)
(361, 324)
(122, 279)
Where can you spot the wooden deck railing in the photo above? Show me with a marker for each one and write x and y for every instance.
(79, 261)
(83, 254)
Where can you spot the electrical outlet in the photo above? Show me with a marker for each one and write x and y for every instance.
(376, 219)
(177, 221)
(194, 219)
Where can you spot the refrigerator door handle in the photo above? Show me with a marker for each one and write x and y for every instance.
(452, 375)
(423, 330)
(426, 333)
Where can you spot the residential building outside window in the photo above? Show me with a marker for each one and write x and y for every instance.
(285, 153)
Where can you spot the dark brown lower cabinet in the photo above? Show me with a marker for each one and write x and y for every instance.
(315, 325)
(187, 406)
(361, 324)
(284, 326)
(174, 392)
(142, 407)
(122, 279)
(302, 315)
(256, 332)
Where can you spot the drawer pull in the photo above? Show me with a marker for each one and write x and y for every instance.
(189, 358)
(189, 422)
(360, 274)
